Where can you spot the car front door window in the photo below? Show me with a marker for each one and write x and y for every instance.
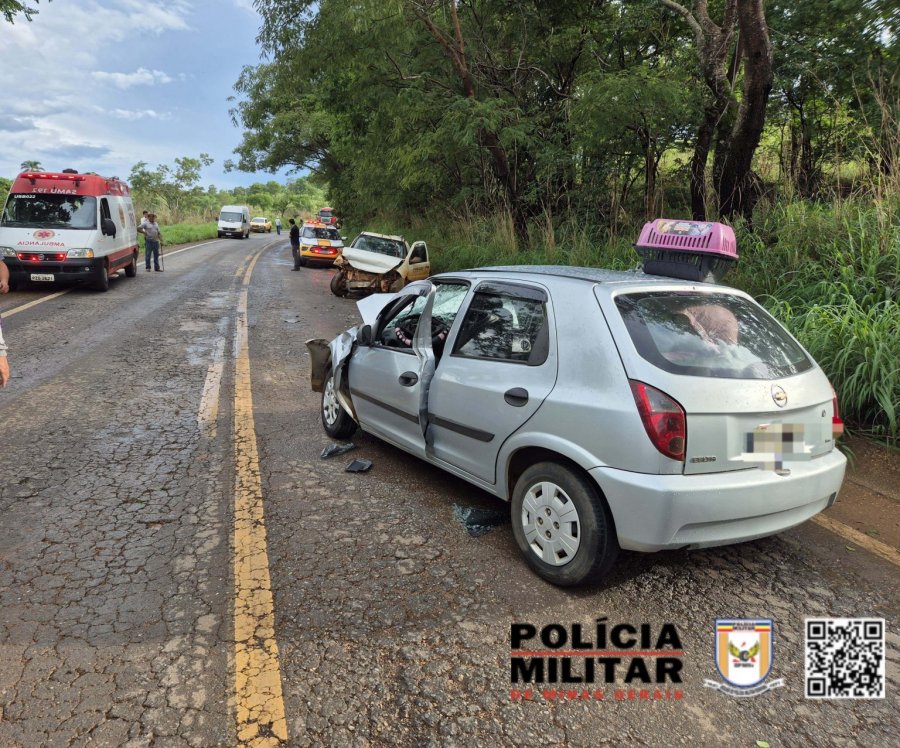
(399, 328)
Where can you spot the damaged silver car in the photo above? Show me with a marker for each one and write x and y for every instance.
(379, 263)
(612, 409)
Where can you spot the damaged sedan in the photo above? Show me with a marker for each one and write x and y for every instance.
(641, 410)
(379, 263)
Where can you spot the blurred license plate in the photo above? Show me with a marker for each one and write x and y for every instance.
(43, 277)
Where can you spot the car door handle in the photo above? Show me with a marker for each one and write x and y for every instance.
(517, 397)
(408, 378)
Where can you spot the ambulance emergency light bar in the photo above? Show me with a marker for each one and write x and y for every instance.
(691, 250)
(33, 176)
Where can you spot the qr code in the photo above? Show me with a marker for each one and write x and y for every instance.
(845, 658)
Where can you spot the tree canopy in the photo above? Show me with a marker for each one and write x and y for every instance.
(574, 106)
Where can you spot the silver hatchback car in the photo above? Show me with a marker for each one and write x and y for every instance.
(613, 409)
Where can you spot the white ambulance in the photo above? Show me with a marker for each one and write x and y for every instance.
(68, 228)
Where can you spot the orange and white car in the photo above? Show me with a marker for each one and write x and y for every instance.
(319, 244)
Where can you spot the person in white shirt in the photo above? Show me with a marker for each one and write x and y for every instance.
(152, 239)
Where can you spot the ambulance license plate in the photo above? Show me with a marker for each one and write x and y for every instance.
(43, 277)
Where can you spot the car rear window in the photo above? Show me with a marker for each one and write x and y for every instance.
(312, 232)
(710, 335)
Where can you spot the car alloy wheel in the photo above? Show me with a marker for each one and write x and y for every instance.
(337, 422)
(330, 407)
(551, 523)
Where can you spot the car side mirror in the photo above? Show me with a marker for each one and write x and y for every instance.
(364, 337)
(343, 238)
(108, 227)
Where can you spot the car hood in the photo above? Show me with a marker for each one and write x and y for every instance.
(370, 262)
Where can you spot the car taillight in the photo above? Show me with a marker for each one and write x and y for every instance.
(663, 419)
(837, 423)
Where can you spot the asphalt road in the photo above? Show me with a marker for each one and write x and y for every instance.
(178, 567)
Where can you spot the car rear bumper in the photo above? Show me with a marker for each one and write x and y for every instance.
(68, 271)
(655, 512)
(314, 258)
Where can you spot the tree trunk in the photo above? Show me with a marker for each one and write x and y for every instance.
(712, 43)
(736, 191)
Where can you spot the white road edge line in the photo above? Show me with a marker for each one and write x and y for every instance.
(17, 309)
(208, 413)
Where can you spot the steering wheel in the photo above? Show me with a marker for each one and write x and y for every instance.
(405, 330)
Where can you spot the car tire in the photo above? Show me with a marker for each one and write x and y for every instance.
(102, 281)
(131, 267)
(579, 548)
(339, 284)
(337, 422)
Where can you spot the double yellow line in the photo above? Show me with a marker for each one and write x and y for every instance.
(259, 701)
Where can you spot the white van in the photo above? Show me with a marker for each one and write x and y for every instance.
(234, 220)
(68, 228)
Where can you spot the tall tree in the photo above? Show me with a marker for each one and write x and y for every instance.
(738, 126)
(30, 166)
(712, 44)
(453, 44)
(736, 189)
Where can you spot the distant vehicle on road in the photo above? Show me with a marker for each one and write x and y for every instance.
(379, 263)
(234, 220)
(319, 244)
(326, 215)
(68, 227)
(261, 224)
(612, 409)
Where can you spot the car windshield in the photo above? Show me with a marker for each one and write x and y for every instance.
(260, 220)
(325, 214)
(713, 335)
(380, 245)
(59, 211)
(228, 216)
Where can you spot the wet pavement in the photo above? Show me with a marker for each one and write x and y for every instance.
(131, 493)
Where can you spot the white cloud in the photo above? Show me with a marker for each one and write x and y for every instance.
(140, 77)
(136, 114)
(54, 72)
(244, 5)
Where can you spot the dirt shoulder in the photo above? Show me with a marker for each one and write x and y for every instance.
(870, 498)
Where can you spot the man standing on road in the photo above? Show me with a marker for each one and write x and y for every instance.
(278, 226)
(152, 240)
(4, 362)
(295, 243)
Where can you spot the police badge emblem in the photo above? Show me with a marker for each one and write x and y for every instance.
(744, 657)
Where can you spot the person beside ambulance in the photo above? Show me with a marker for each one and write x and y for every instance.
(152, 239)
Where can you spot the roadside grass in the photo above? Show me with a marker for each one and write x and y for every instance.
(830, 271)
(183, 233)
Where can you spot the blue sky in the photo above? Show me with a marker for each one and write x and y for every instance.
(98, 85)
